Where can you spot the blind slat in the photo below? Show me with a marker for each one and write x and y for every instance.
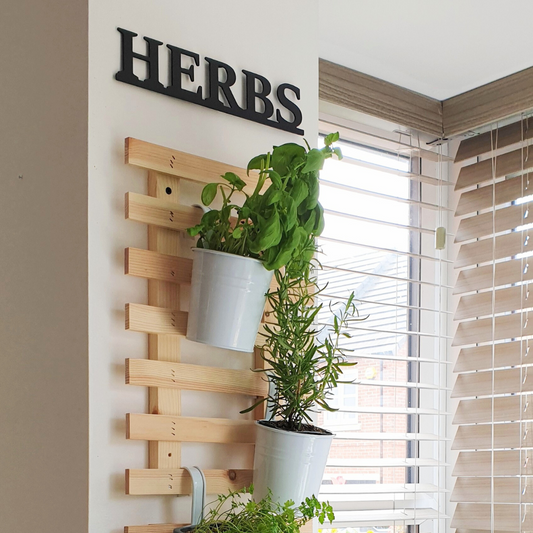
(481, 357)
(481, 304)
(504, 219)
(497, 382)
(511, 435)
(479, 490)
(503, 192)
(495, 139)
(478, 516)
(505, 327)
(506, 409)
(505, 273)
(490, 249)
(489, 169)
(506, 463)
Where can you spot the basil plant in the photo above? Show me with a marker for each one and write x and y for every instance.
(277, 221)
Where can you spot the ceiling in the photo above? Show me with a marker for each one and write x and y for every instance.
(437, 48)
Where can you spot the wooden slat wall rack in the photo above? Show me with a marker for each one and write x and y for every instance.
(166, 269)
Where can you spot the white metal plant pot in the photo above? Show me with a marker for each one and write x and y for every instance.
(228, 294)
(290, 464)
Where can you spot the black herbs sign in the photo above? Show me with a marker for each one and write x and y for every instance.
(220, 78)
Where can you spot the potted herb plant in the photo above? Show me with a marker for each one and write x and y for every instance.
(304, 365)
(235, 513)
(240, 245)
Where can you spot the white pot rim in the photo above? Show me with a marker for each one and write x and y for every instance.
(216, 252)
(295, 433)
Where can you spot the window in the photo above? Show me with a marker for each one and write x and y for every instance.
(386, 466)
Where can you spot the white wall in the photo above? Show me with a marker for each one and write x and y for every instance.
(43, 266)
(277, 39)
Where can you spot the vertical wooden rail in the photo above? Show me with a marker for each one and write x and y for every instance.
(164, 347)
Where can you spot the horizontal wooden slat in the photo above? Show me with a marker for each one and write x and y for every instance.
(497, 382)
(478, 516)
(153, 528)
(178, 481)
(157, 212)
(505, 354)
(481, 304)
(505, 327)
(495, 139)
(498, 490)
(191, 167)
(505, 273)
(507, 245)
(493, 168)
(502, 192)
(153, 265)
(506, 409)
(489, 223)
(361, 92)
(479, 437)
(504, 463)
(189, 429)
(149, 373)
(158, 320)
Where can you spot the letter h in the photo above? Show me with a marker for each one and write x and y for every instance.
(152, 59)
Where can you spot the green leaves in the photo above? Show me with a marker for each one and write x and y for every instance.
(331, 138)
(277, 220)
(315, 161)
(287, 157)
(236, 512)
(234, 180)
(209, 192)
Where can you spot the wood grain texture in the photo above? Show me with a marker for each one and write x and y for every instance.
(481, 304)
(166, 294)
(191, 167)
(505, 354)
(506, 409)
(493, 168)
(189, 429)
(153, 265)
(488, 383)
(506, 463)
(505, 273)
(488, 103)
(354, 90)
(480, 490)
(508, 245)
(505, 327)
(507, 518)
(149, 373)
(482, 225)
(483, 198)
(157, 320)
(160, 212)
(178, 481)
(495, 139)
(479, 437)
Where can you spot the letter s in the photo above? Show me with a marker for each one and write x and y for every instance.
(290, 106)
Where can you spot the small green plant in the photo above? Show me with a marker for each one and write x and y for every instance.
(275, 225)
(303, 367)
(235, 512)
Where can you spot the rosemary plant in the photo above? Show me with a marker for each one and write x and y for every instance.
(235, 513)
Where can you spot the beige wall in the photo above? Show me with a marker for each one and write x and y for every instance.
(43, 266)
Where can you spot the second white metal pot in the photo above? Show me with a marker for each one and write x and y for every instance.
(290, 464)
(228, 294)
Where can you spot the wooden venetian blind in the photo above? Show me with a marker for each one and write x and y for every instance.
(494, 385)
